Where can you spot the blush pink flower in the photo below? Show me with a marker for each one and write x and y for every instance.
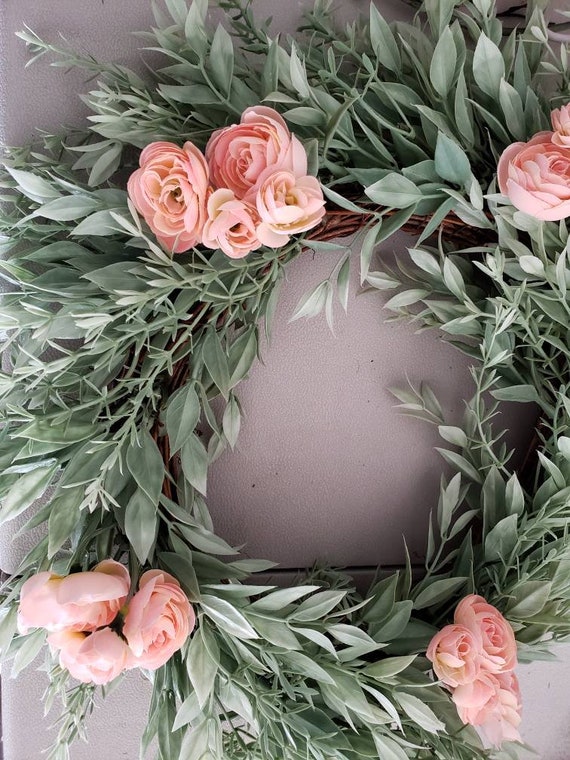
(498, 644)
(286, 206)
(536, 177)
(170, 190)
(492, 704)
(239, 154)
(158, 621)
(560, 118)
(455, 653)
(231, 225)
(78, 602)
(91, 658)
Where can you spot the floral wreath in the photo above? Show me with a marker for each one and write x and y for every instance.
(146, 250)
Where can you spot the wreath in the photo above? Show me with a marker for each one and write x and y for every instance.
(142, 255)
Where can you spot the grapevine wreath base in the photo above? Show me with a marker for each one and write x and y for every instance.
(142, 256)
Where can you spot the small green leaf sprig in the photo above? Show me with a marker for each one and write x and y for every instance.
(143, 342)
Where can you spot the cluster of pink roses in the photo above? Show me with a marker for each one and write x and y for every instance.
(475, 657)
(97, 632)
(250, 189)
(535, 175)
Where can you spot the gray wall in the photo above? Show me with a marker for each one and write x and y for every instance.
(325, 467)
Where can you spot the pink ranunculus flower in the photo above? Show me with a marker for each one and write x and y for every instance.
(231, 225)
(492, 704)
(287, 205)
(498, 644)
(455, 653)
(97, 657)
(170, 190)
(77, 602)
(159, 619)
(561, 125)
(237, 155)
(536, 177)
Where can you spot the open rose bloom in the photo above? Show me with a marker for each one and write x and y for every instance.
(158, 621)
(475, 658)
(535, 175)
(239, 154)
(170, 190)
(96, 658)
(250, 189)
(77, 602)
(95, 631)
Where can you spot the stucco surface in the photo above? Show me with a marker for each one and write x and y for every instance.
(325, 467)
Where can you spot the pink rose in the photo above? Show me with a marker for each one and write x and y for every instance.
(536, 177)
(231, 225)
(456, 655)
(158, 621)
(77, 602)
(492, 704)
(286, 206)
(91, 658)
(498, 644)
(561, 125)
(170, 190)
(239, 154)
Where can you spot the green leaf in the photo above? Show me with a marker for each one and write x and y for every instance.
(513, 109)
(451, 162)
(312, 303)
(106, 165)
(453, 279)
(454, 435)
(242, 353)
(529, 599)
(231, 421)
(522, 393)
(387, 748)
(298, 74)
(46, 430)
(68, 208)
(216, 362)
(227, 617)
(501, 540)
(29, 487)
(307, 667)
(442, 67)
(514, 496)
(32, 186)
(28, 651)
(488, 66)
(189, 94)
(383, 41)
(141, 523)
(419, 712)
(181, 567)
(64, 517)
(305, 117)
(221, 62)
(182, 415)
(318, 606)
(194, 461)
(389, 666)
(281, 598)
(145, 463)
(438, 591)
(203, 661)
(394, 191)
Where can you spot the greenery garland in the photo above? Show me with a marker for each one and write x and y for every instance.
(414, 118)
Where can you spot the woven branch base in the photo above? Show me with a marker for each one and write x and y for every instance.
(339, 223)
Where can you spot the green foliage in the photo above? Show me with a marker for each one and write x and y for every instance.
(118, 349)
